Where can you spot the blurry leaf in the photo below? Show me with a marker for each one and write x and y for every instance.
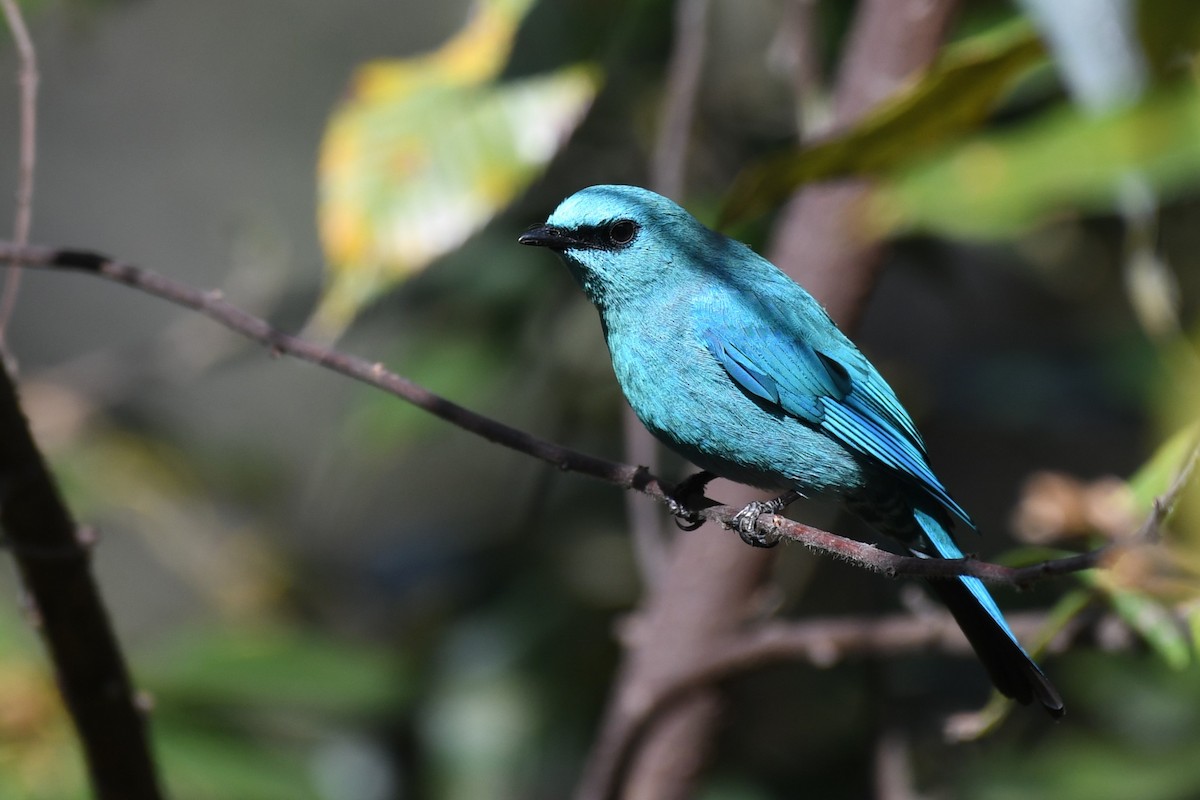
(274, 667)
(1170, 34)
(459, 367)
(1193, 620)
(165, 501)
(955, 96)
(1157, 475)
(40, 758)
(481, 732)
(426, 150)
(999, 184)
(1136, 584)
(1086, 767)
(1147, 615)
(200, 765)
(1138, 738)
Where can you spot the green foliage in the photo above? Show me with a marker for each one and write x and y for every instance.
(243, 711)
(275, 668)
(953, 97)
(238, 711)
(998, 185)
(1137, 739)
(201, 764)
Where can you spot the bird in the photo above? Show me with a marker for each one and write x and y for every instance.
(736, 367)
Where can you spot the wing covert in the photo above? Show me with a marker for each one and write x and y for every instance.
(844, 396)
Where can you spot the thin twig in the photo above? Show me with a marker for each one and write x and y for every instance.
(213, 305)
(23, 220)
(1162, 506)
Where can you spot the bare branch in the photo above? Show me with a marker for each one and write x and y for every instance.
(23, 221)
(872, 558)
(820, 642)
(215, 307)
(55, 568)
(1163, 505)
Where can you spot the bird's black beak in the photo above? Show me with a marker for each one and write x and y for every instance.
(547, 236)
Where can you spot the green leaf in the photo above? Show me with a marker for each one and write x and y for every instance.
(201, 765)
(1170, 34)
(998, 185)
(1156, 624)
(1146, 615)
(274, 667)
(953, 97)
(1157, 475)
(426, 150)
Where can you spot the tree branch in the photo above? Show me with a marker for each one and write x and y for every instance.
(215, 307)
(819, 642)
(51, 554)
(56, 571)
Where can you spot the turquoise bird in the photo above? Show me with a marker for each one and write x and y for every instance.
(733, 365)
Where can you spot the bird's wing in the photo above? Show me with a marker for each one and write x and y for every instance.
(834, 388)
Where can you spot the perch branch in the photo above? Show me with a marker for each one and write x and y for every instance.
(213, 305)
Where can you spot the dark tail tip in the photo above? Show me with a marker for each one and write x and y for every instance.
(1012, 671)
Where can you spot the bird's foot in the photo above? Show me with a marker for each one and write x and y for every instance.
(745, 522)
(681, 500)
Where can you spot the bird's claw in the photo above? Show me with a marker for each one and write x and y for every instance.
(745, 522)
(679, 501)
(686, 518)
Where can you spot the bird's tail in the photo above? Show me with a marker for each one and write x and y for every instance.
(1012, 670)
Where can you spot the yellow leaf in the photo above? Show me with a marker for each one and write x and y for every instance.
(426, 150)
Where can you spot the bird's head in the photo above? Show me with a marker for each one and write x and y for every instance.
(621, 241)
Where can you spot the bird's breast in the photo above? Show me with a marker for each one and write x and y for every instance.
(685, 398)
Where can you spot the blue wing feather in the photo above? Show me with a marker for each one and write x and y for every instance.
(845, 396)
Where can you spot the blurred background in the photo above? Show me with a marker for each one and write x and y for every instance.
(331, 595)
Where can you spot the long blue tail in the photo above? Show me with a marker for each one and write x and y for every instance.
(1010, 667)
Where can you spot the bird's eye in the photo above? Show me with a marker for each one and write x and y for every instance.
(621, 232)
